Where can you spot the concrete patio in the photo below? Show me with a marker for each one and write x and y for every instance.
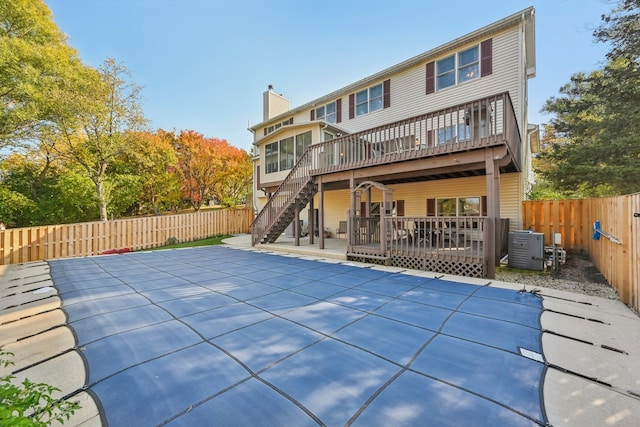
(284, 335)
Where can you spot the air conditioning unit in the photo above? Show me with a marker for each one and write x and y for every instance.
(526, 250)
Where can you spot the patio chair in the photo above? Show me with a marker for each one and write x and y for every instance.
(342, 229)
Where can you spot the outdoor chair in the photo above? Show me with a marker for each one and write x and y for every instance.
(342, 229)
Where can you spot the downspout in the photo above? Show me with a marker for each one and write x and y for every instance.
(253, 184)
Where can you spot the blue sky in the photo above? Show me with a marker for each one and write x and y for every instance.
(203, 64)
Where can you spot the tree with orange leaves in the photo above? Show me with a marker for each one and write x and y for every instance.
(211, 169)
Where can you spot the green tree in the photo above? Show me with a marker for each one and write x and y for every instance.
(154, 161)
(597, 120)
(97, 125)
(55, 193)
(34, 61)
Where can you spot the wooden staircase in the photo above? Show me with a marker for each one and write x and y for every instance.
(300, 200)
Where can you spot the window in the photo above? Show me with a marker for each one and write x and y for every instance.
(454, 133)
(271, 157)
(327, 113)
(469, 206)
(283, 155)
(277, 126)
(458, 206)
(446, 69)
(287, 154)
(466, 63)
(446, 207)
(369, 100)
(302, 142)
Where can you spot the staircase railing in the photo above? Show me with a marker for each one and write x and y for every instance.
(283, 197)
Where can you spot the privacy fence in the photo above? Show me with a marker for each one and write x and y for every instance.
(616, 253)
(91, 238)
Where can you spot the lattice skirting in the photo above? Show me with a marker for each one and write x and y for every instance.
(439, 266)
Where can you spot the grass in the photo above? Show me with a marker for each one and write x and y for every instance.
(210, 241)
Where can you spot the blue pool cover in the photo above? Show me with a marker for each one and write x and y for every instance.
(222, 336)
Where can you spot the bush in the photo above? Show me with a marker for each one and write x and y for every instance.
(30, 404)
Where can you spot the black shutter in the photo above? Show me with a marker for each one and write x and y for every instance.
(486, 58)
(352, 106)
(313, 115)
(399, 207)
(431, 207)
(386, 94)
(338, 110)
(431, 77)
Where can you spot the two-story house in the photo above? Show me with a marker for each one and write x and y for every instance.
(421, 165)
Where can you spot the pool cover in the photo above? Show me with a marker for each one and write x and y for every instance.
(223, 336)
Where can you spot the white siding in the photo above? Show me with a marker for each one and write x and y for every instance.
(408, 90)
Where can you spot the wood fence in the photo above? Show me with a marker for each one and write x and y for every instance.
(574, 219)
(91, 238)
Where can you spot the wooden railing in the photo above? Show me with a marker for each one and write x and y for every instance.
(482, 123)
(91, 238)
(452, 238)
(619, 263)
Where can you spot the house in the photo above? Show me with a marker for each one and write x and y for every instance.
(427, 161)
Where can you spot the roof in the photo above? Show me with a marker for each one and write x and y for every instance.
(330, 126)
(525, 16)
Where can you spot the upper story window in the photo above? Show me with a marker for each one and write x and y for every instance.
(369, 100)
(327, 113)
(466, 63)
(277, 126)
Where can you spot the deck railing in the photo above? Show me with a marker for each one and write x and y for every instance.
(481, 123)
(453, 238)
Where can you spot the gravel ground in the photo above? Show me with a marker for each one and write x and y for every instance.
(577, 275)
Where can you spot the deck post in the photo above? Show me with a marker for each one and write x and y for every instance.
(296, 226)
(352, 211)
(311, 228)
(320, 215)
(493, 212)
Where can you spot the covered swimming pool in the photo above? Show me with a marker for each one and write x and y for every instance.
(223, 336)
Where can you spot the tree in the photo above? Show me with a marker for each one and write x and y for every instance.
(198, 164)
(154, 160)
(51, 192)
(233, 182)
(34, 61)
(597, 120)
(98, 124)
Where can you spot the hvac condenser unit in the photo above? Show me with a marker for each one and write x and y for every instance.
(526, 250)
